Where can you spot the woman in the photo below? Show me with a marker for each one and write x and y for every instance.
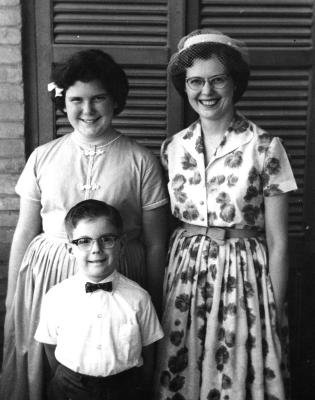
(227, 269)
(94, 161)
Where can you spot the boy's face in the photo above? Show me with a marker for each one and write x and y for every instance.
(98, 262)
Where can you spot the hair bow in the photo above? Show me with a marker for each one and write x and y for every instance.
(52, 86)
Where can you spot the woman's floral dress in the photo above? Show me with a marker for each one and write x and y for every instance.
(219, 311)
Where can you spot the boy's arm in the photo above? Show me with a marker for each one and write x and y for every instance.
(50, 353)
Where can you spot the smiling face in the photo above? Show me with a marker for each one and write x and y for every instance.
(210, 102)
(97, 263)
(90, 110)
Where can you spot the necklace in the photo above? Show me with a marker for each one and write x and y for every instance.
(89, 146)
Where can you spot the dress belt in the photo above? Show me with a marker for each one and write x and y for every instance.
(219, 234)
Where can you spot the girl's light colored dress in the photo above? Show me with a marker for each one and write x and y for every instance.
(219, 311)
(59, 174)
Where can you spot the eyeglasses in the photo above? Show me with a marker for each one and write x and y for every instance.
(104, 241)
(216, 82)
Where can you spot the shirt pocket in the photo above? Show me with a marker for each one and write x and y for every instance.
(130, 345)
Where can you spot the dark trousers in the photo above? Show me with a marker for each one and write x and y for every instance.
(67, 384)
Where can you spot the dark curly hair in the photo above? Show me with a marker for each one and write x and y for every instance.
(87, 66)
(231, 59)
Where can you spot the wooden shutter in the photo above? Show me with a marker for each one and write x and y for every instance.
(261, 23)
(119, 23)
(138, 34)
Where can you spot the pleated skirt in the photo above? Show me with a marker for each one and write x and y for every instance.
(221, 340)
(45, 263)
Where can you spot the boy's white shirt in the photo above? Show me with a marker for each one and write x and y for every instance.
(99, 333)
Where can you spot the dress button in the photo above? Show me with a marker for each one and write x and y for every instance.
(202, 203)
(99, 315)
(202, 219)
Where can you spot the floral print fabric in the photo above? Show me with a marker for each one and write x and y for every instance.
(219, 312)
(248, 165)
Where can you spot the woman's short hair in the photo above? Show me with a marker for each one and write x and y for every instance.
(92, 209)
(87, 66)
(207, 43)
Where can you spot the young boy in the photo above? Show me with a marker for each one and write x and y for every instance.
(97, 326)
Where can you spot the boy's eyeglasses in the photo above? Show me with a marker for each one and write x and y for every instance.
(216, 82)
(104, 241)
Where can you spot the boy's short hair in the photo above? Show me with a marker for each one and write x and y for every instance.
(91, 209)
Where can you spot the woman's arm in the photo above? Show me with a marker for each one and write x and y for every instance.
(155, 234)
(276, 214)
(29, 225)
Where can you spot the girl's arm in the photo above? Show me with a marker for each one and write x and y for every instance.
(50, 354)
(146, 374)
(29, 225)
(155, 234)
(276, 214)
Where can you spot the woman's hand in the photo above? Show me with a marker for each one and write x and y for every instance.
(276, 220)
(29, 225)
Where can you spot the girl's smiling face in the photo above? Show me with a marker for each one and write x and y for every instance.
(210, 102)
(90, 110)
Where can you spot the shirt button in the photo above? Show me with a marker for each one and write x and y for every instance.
(99, 315)
(202, 203)
(202, 219)
(99, 347)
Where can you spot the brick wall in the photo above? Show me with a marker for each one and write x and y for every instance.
(12, 156)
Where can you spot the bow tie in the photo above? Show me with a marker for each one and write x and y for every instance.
(91, 287)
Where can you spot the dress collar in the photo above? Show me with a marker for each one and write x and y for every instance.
(238, 133)
(91, 147)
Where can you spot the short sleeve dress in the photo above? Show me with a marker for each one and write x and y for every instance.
(59, 174)
(219, 312)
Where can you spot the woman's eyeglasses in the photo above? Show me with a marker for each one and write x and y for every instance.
(216, 82)
(104, 241)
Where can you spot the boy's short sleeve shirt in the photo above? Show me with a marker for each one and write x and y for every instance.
(99, 333)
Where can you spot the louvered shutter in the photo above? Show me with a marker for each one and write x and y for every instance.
(138, 35)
